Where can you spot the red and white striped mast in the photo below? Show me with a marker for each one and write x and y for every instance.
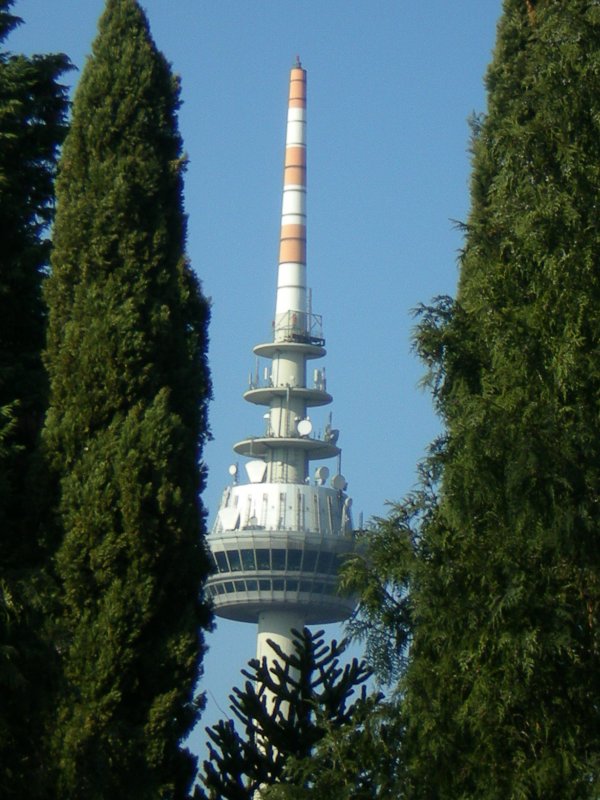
(291, 276)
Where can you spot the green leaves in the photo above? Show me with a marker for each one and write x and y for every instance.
(126, 356)
(33, 108)
(286, 707)
(498, 685)
(499, 591)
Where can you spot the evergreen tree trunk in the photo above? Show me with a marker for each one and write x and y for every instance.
(502, 684)
(129, 383)
(33, 106)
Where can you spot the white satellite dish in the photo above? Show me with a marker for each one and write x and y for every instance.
(339, 482)
(233, 470)
(256, 471)
(229, 518)
(305, 427)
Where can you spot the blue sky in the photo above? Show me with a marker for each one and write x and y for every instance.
(391, 84)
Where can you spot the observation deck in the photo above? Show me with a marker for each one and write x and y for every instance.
(278, 547)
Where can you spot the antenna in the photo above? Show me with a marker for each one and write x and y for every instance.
(305, 427)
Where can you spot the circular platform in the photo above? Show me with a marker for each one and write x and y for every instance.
(259, 446)
(263, 395)
(271, 349)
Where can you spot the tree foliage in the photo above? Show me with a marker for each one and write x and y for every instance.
(33, 107)
(357, 760)
(126, 356)
(286, 707)
(500, 692)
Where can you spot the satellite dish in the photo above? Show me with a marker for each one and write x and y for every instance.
(233, 470)
(305, 427)
(256, 471)
(229, 518)
(339, 482)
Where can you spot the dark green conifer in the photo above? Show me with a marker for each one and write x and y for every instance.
(502, 685)
(359, 759)
(129, 384)
(286, 707)
(500, 549)
(33, 106)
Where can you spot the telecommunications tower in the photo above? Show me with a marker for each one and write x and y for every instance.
(278, 538)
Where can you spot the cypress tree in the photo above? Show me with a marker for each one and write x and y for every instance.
(129, 383)
(502, 683)
(33, 106)
(491, 569)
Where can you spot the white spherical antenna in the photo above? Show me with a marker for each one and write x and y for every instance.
(339, 482)
(305, 427)
(233, 470)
